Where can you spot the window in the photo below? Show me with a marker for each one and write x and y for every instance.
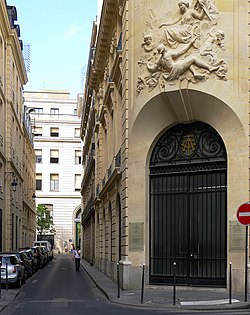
(54, 182)
(78, 157)
(77, 182)
(38, 154)
(38, 181)
(54, 112)
(38, 111)
(54, 156)
(49, 209)
(77, 132)
(54, 132)
(38, 131)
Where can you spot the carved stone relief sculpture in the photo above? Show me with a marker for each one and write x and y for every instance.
(100, 93)
(106, 72)
(121, 4)
(187, 47)
(113, 44)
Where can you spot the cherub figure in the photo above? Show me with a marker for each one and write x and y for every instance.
(147, 43)
(215, 38)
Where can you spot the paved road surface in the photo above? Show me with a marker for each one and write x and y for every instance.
(59, 290)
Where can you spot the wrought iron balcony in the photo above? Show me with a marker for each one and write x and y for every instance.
(87, 210)
(112, 172)
(119, 46)
(89, 167)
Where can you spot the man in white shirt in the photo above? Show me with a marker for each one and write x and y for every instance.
(76, 253)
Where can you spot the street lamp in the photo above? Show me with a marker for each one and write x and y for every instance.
(14, 180)
(33, 194)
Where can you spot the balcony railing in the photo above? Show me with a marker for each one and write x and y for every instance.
(56, 117)
(112, 170)
(119, 46)
(118, 159)
(88, 208)
(89, 166)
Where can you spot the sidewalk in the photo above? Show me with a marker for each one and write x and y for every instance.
(161, 297)
(7, 296)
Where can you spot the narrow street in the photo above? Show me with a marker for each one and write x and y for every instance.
(59, 289)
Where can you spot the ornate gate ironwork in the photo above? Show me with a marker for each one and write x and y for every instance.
(188, 210)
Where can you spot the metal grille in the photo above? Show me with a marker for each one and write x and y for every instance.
(188, 212)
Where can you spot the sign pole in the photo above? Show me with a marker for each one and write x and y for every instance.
(243, 216)
(246, 264)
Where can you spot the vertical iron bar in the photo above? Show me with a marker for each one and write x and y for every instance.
(246, 263)
(6, 270)
(142, 283)
(1, 280)
(230, 283)
(118, 281)
(174, 286)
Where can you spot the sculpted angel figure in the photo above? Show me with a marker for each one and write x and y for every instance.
(147, 43)
(183, 28)
(168, 61)
(214, 39)
(209, 8)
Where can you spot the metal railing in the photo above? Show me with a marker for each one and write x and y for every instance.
(116, 163)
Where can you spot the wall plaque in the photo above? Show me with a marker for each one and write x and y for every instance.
(237, 235)
(136, 236)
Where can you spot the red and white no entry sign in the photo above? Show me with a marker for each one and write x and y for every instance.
(243, 214)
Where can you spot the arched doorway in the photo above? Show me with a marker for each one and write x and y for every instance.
(188, 210)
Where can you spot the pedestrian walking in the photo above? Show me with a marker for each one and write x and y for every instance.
(76, 253)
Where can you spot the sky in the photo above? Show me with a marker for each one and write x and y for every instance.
(59, 33)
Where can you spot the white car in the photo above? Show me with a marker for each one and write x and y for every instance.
(11, 270)
(47, 245)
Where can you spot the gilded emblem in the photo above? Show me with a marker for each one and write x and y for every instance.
(188, 145)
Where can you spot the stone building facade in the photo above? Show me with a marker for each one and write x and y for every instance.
(17, 158)
(165, 125)
(57, 146)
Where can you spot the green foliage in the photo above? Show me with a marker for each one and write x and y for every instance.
(44, 221)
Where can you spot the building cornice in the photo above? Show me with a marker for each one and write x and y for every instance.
(18, 56)
(13, 40)
(5, 24)
(103, 40)
(60, 196)
(59, 140)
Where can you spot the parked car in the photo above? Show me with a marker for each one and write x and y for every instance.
(24, 260)
(34, 261)
(45, 253)
(39, 256)
(48, 247)
(15, 270)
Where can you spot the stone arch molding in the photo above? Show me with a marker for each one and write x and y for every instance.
(165, 110)
(76, 211)
(184, 43)
(168, 108)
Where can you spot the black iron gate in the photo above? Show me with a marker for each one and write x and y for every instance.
(188, 207)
